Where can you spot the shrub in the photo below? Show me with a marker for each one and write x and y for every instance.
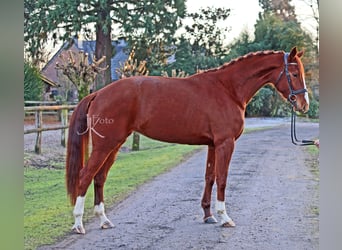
(314, 109)
(33, 85)
(260, 105)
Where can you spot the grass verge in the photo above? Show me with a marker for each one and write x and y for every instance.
(313, 163)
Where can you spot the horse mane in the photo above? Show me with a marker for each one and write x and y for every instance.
(238, 59)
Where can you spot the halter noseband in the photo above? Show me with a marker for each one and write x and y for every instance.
(292, 98)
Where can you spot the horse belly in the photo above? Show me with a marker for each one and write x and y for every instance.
(175, 124)
(177, 136)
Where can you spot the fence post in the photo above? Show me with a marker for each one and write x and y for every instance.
(64, 120)
(136, 141)
(39, 125)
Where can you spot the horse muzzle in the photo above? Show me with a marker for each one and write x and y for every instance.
(299, 105)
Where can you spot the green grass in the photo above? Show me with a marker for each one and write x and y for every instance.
(313, 160)
(47, 210)
(313, 163)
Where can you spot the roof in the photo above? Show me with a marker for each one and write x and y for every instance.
(48, 81)
(50, 74)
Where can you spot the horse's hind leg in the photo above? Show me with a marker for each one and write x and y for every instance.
(96, 160)
(209, 182)
(99, 181)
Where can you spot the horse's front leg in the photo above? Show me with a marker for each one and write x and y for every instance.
(223, 154)
(99, 181)
(209, 182)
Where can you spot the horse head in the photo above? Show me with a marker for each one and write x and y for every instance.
(291, 81)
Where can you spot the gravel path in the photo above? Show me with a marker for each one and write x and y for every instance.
(271, 196)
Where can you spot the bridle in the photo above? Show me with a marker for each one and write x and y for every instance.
(292, 98)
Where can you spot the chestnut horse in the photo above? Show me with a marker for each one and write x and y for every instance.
(203, 109)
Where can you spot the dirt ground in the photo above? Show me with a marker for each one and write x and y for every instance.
(272, 195)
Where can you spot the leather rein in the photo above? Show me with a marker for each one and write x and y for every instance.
(292, 98)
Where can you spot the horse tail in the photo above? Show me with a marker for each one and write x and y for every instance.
(77, 147)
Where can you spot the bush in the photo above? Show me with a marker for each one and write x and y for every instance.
(268, 103)
(260, 105)
(33, 85)
(314, 109)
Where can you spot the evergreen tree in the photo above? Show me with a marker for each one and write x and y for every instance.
(46, 20)
(272, 33)
(184, 57)
(201, 47)
(205, 35)
(33, 85)
(281, 8)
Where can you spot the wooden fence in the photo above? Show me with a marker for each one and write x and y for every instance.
(38, 110)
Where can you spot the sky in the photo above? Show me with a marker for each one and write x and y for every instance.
(244, 14)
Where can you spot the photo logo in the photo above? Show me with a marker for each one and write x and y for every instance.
(93, 121)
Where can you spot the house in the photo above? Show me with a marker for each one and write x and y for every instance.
(58, 85)
(50, 88)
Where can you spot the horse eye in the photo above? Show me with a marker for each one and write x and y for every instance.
(295, 75)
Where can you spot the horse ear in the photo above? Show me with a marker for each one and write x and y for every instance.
(300, 53)
(293, 53)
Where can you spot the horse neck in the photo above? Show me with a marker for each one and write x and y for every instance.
(246, 75)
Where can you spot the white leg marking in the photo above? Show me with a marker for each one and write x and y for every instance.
(225, 220)
(78, 215)
(100, 212)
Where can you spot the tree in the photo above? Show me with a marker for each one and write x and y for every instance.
(271, 32)
(156, 53)
(314, 5)
(261, 104)
(314, 17)
(77, 69)
(131, 67)
(281, 8)
(183, 57)
(33, 85)
(201, 46)
(46, 20)
(204, 33)
(241, 46)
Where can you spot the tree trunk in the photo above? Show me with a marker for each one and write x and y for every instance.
(103, 48)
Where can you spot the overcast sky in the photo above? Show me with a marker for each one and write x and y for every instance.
(244, 13)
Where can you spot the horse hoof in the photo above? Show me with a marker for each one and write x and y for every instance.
(210, 220)
(107, 224)
(228, 224)
(78, 229)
